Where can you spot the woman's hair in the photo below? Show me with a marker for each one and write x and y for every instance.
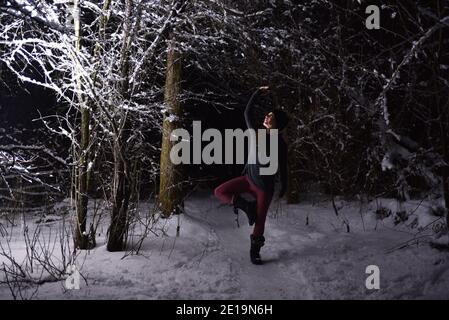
(281, 119)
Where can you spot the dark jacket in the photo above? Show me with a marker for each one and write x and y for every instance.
(266, 182)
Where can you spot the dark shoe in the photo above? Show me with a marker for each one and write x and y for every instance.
(257, 242)
(249, 207)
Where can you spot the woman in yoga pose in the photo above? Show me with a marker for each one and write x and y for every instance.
(260, 186)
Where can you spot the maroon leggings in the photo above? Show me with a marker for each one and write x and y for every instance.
(226, 191)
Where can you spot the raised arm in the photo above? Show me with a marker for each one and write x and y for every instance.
(249, 107)
(248, 110)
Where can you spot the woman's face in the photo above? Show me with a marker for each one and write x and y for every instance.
(270, 121)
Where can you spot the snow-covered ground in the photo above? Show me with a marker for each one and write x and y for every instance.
(308, 255)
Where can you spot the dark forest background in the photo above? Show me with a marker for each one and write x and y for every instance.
(86, 112)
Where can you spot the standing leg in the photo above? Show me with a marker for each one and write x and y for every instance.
(263, 204)
(257, 238)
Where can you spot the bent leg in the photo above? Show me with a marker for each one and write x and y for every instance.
(226, 191)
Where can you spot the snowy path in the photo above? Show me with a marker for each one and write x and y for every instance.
(269, 281)
(210, 258)
(321, 260)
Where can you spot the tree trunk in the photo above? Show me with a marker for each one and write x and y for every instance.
(170, 191)
(120, 201)
(122, 185)
(443, 118)
(80, 237)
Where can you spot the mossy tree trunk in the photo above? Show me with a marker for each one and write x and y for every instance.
(170, 185)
